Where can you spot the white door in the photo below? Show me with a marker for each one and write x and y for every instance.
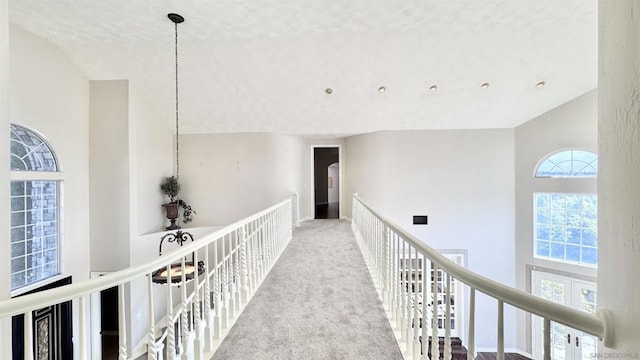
(566, 343)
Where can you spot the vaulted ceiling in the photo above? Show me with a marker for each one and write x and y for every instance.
(264, 65)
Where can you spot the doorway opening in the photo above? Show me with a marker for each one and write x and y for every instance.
(105, 316)
(326, 182)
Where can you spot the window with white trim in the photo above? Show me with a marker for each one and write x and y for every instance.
(35, 210)
(566, 224)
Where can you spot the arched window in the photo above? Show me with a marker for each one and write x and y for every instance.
(569, 163)
(565, 223)
(35, 211)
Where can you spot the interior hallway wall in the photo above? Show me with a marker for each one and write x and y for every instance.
(464, 181)
(226, 177)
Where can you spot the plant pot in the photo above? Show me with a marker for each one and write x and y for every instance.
(172, 214)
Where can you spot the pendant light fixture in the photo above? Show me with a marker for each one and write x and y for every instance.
(173, 275)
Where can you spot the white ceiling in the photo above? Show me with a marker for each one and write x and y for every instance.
(264, 65)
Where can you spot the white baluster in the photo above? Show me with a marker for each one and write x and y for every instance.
(386, 299)
(251, 255)
(425, 299)
(435, 339)
(208, 345)
(471, 341)
(184, 318)
(447, 319)
(398, 290)
(171, 331)
(500, 355)
(217, 303)
(28, 335)
(122, 324)
(403, 292)
(258, 249)
(244, 269)
(197, 314)
(547, 339)
(151, 330)
(224, 289)
(235, 240)
(413, 286)
(82, 328)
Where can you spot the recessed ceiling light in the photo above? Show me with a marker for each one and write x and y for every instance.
(484, 85)
(433, 88)
(540, 84)
(328, 90)
(382, 89)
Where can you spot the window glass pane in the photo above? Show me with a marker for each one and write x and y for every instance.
(574, 236)
(29, 151)
(569, 222)
(557, 250)
(570, 163)
(543, 216)
(34, 231)
(573, 253)
(589, 237)
(542, 248)
(590, 255)
(543, 232)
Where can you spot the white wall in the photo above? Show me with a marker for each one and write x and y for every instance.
(226, 177)
(619, 172)
(49, 94)
(109, 175)
(464, 182)
(571, 125)
(151, 159)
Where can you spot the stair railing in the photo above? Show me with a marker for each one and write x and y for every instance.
(236, 259)
(399, 262)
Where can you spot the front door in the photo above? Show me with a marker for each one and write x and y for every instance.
(566, 343)
(52, 330)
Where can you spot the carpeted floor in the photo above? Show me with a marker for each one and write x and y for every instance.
(318, 302)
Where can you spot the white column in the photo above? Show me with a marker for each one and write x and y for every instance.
(122, 324)
(5, 249)
(619, 170)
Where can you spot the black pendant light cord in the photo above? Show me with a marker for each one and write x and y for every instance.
(177, 129)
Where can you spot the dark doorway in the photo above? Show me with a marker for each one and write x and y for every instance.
(52, 329)
(109, 323)
(326, 182)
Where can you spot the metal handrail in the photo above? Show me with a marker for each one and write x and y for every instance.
(599, 324)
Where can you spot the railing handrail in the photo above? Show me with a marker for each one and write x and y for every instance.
(598, 325)
(22, 304)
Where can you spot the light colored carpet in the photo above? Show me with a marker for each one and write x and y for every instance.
(318, 302)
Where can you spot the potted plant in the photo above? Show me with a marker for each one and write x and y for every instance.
(170, 186)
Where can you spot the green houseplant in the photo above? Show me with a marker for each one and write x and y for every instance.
(170, 186)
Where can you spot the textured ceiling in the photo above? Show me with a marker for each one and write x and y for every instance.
(264, 65)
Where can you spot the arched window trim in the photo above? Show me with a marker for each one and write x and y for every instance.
(546, 157)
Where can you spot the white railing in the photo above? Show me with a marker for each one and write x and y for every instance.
(199, 314)
(398, 262)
